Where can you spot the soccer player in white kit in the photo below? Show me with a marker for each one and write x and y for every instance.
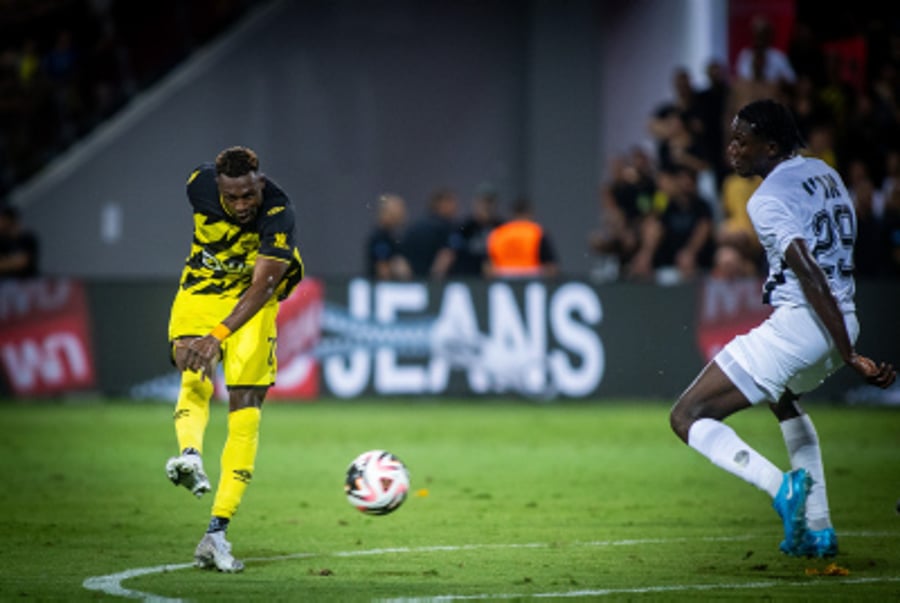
(806, 222)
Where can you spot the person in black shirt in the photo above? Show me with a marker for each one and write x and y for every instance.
(18, 247)
(466, 252)
(384, 251)
(429, 234)
(677, 243)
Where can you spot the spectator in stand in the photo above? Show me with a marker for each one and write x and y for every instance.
(677, 127)
(871, 251)
(729, 264)
(761, 56)
(384, 255)
(837, 94)
(865, 138)
(807, 107)
(682, 148)
(676, 244)
(62, 65)
(466, 252)
(858, 171)
(683, 102)
(891, 180)
(892, 231)
(19, 247)
(520, 248)
(805, 54)
(750, 86)
(625, 200)
(87, 72)
(821, 144)
(885, 88)
(29, 62)
(109, 72)
(712, 103)
(429, 234)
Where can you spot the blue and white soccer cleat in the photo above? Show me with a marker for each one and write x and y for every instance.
(820, 543)
(790, 503)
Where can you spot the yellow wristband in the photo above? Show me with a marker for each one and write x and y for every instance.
(220, 331)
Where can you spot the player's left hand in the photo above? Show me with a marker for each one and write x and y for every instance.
(202, 355)
(881, 375)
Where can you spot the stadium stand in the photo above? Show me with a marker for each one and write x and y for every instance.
(67, 65)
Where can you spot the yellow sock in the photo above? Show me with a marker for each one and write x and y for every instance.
(192, 410)
(238, 458)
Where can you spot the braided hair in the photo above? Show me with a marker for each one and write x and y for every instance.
(774, 122)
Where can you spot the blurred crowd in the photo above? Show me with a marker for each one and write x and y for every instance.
(67, 65)
(672, 209)
(485, 242)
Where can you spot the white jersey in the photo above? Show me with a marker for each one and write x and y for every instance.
(804, 198)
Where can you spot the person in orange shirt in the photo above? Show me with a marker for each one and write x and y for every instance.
(520, 248)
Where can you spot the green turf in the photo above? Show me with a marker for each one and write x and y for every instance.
(509, 499)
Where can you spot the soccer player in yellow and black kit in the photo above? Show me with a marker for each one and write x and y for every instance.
(243, 261)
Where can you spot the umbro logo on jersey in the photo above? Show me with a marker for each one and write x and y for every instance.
(275, 210)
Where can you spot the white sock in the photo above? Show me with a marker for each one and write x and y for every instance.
(720, 444)
(803, 447)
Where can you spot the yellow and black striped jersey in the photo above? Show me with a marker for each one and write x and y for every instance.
(224, 251)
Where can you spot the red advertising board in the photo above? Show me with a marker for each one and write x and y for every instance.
(45, 341)
(727, 309)
(299, 330)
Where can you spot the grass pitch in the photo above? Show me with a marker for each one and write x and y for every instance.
(509, 501)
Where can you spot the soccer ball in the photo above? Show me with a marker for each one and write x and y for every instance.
(377, 482)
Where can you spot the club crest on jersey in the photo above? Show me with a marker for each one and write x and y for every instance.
(249, 243)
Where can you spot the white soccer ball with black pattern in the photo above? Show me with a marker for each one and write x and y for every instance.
(377, 482)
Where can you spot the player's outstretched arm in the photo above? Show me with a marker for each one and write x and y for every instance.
(818, 293)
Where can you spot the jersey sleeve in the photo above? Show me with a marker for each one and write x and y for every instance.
(772, 221)
(202, 191)
(276, 232)
(277, 239)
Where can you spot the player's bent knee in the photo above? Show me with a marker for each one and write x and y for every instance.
(681, 418)
(195, 382)
(244, 397)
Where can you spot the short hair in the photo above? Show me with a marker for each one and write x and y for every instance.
(440, 195)
(774, 122)
(236, 161)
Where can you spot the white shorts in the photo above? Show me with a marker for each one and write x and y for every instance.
(790, 350)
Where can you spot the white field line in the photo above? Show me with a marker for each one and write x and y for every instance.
(111, 584)
(572, 594)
